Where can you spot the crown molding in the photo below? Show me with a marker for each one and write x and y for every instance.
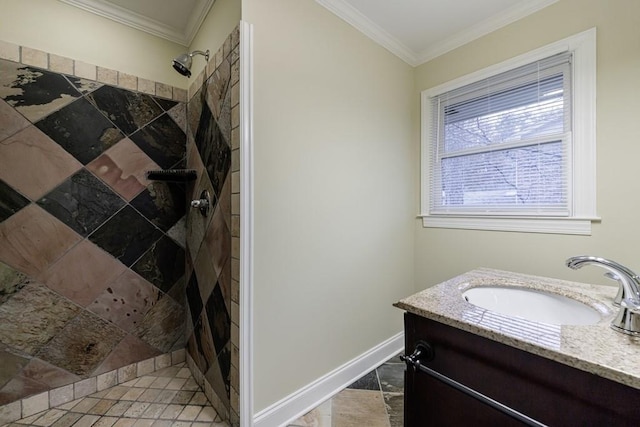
(182, 36)
(354, 17)
(483, 28)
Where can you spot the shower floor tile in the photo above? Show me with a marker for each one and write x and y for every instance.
(155, 400)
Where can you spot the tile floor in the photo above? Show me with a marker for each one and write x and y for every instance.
(375, 400)
(171, 397)
(167, 397)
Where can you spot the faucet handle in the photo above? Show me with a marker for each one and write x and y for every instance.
(621, 294)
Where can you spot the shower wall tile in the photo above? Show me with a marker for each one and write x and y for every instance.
(9, 51)
(126, 300)
(33, 316)
(82, 273)
(69, 307)
(163, 203)
(162, 264)
(179, 115)
(205, 273)
(194, 299)
(123, 167)
(10, 120)
(10, 201)
(217, 238)
(126, 236)
(163, 326)
(32, 151)
(82, 202)
(11, 281)
(162, 140)
(34, 92)
(34, 57)
(219, 319)
(32, 240)
(81, 129)
(82, 345)
(60, 64)
(128, 110)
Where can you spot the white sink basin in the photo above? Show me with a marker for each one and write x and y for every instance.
(533, 305)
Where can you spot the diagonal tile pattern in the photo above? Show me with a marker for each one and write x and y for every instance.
(164, 398)
(90, 277)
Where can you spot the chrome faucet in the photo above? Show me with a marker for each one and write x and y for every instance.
(628, 299)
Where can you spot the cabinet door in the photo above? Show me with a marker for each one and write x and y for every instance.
(430, 402)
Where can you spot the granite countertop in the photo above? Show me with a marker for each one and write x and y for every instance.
(593, 348)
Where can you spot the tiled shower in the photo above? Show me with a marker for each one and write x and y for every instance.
(99, 267)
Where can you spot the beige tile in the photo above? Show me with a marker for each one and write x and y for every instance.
(119, 409)
(84, 70)
(60, 64)
(125, 422)
(160, 382)
(150, 395)
(107, 380)
(189, 413)
(83, 273)
(145, 381)
(9, 51)
(87, 421)
(146, 86)
(179, 94)
(35, 404)
(145, 367)
(84, 387)
(164, 91)
(355, 408)
(116, 392)
(136, 409)
(10, 120)
(143, 423)
(163, 361)
(208, 414)
(31, 150)
(108, 76)
(85, 405)
(102, 407)
(127, 373)
(133, 394)
(154, 410)
(171, 412)
(34, 57)
(176, 383)
(10, 412)
(127, 81)
(68, 419)
(33, 240)
(105, 422)
(61, 395)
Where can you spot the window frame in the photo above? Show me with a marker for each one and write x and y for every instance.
(582, 151)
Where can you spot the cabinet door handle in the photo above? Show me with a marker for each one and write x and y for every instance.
(425, 351)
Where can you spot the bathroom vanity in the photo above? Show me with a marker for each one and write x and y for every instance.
(477, 367)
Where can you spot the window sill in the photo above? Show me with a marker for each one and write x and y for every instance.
(548, 225)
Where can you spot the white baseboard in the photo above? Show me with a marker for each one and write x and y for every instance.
(302, 401)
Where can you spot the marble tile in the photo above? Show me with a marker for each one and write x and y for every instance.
(31, 150)
(146, 86)
(81, 129)
(82, 202)
(82, 273)
(127, 81)
(126, 300)
(34, 57)
(218, 240)
(9, 51)
(108, 76)
(129, 351)
(82, 345)
(367, 382)
(10, 120)
(395, 408)
(205, 272)
(164, 90)
(317, 417)
(391, 377)
(84, 85)
(178, 232)
(162, 264)
(166, 103)
(126, 236)
(194, 299)
(162, 203)
(33, 240)
(128, 110)
(47, 374)
(11, 281)
(163, 325)
(60, 64)
(33, 316)
(195, 111)
(10, 366)
(84, 70)
(163, 141)
(34, 92)
(357, 408)
(123, 167)
(214, 150)
(219, 319)
(10, 201)
(179, 115)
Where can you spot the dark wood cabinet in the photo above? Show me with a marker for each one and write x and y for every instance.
(549, 392)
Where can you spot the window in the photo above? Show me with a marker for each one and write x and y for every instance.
(512, 147)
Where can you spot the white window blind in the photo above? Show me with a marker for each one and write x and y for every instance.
(501, 146)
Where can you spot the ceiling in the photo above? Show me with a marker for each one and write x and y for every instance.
(414, 30)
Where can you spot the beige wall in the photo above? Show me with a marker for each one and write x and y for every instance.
(333, 194)
(223, 17)
(441, 254)
(55, 27)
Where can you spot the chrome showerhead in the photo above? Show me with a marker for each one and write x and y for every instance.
(182, 63)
